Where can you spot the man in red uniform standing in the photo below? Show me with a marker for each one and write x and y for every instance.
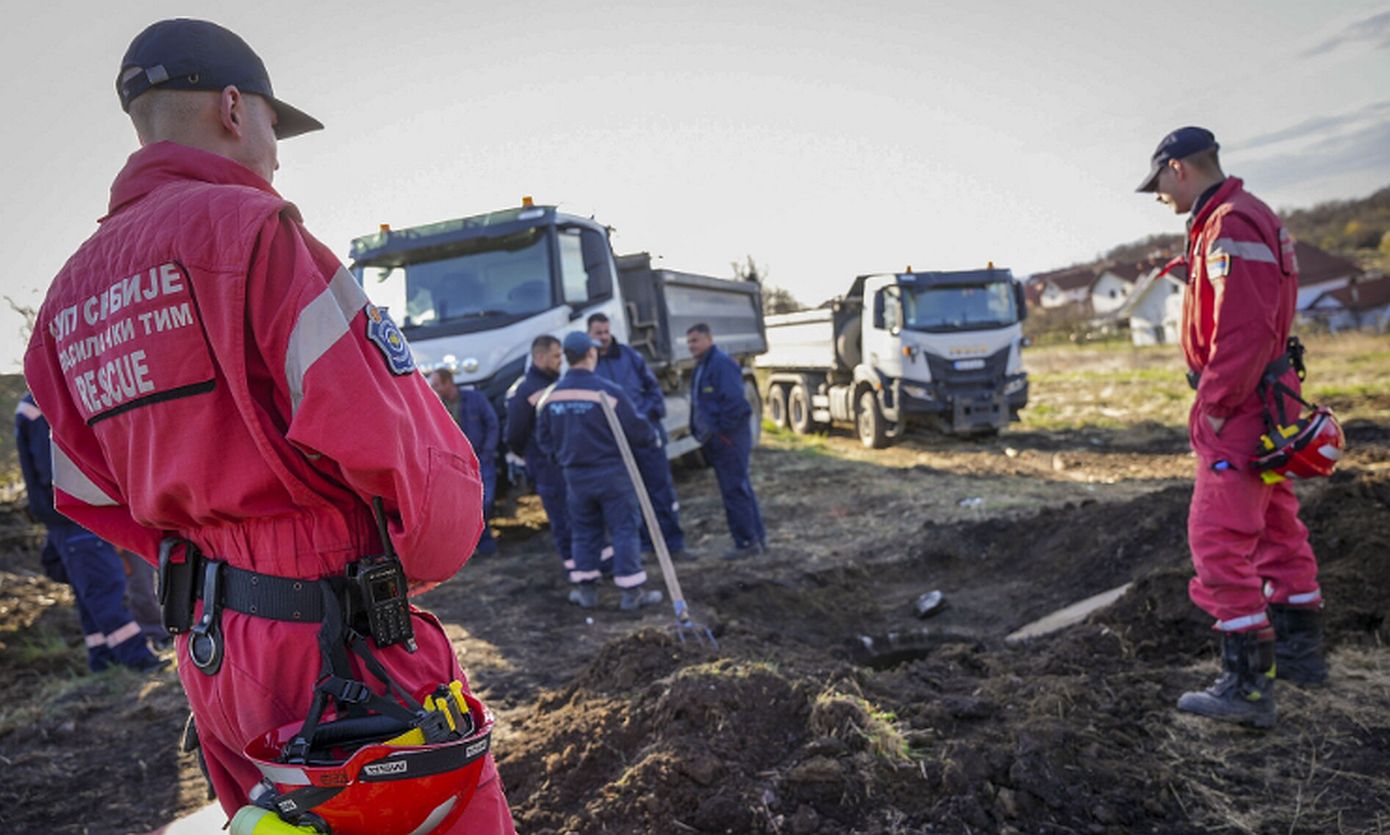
(1255, 571)
(211, 372)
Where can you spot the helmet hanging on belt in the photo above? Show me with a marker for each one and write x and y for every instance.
(1308, 448)
(355, 780)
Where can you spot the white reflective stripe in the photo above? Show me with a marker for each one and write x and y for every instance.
(569, 565)
(1330, 452)
(321, 323)
(1304, 599)
(584, 576)
(1240, 624)
(347, 293)
(435, 817)
(1251, 250)
(94, 640)
(28, 410)
(536, 396)
(584, 395)
(74, 482)
(606, 553)
(631, 580)
(284, 774)
(125, 633)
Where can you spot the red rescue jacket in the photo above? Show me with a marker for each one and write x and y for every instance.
(1241, 296)
(206, 366)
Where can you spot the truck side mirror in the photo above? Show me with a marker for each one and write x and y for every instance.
(878, 311)
(1021, 300)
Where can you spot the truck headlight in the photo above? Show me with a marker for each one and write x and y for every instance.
(1015, 385)
(917, 392)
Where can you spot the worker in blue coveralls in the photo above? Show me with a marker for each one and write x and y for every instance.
(546, 361)
(473, 413)
(571, 426)
(719, 419)
(92, 566)
(621, 364)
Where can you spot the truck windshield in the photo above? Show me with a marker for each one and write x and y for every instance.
(506, 276)
(959, 307)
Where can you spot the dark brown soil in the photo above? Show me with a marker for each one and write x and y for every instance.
(829, 707)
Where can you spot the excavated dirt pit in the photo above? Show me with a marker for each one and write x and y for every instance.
(608, 724)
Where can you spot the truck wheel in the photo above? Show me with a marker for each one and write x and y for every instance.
(873, 429)
(777, 405)
(799, 410)
(750, 393)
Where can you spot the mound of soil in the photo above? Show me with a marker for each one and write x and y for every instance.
(1070, 733)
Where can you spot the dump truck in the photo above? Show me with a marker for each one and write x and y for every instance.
(471, 294)
(898, 348)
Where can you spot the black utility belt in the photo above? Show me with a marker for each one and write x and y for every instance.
(370, 598)
(1291, 358)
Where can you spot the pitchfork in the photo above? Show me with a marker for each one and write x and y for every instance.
(684, 623)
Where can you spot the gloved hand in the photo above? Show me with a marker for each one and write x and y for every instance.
(516, 472)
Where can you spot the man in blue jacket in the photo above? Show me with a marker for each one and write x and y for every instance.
(92, 566)
(473, 413)
(572, 427)
(621, 364)
(719, 419)
(545, 474)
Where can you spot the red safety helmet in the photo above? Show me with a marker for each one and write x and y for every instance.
(1309, 448)
(375, 788)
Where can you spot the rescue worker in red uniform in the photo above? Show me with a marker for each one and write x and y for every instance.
(1255, 571)
(211, 372)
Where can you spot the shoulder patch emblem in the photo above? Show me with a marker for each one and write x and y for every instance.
(1218, 264)
(384, 333)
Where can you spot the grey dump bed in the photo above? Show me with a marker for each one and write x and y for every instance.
(662, 304)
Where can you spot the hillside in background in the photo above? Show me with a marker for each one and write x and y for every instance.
(1358, 229)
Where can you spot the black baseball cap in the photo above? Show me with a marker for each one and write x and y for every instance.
(1182, 142)
(184, 54)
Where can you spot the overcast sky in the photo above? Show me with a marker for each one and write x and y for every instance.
(825, 139)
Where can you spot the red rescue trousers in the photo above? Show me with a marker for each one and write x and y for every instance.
(1249, 548)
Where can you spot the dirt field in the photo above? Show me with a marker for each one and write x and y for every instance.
(829, 707)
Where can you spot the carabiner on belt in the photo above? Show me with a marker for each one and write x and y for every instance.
(205, 639)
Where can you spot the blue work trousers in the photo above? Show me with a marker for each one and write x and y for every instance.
(99, 584)
(549, 481)
(656, 476)
(601, 500)
(489, 477)
(728, 455)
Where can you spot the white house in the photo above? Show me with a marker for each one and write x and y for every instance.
(1320, 272)
(1063, 287)
(1154, 308)
(1360, 304)
(1114, 285)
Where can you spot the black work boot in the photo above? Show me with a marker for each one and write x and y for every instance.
(584, 595)
(1298, 644)
(1244, 693)
(637, 597)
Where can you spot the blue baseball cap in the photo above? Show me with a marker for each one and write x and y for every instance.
(184, 54)
(578, 342)
(1183, 142)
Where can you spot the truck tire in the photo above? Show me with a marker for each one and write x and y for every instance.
(799, 410)
(755, 419)
(777, 405)
(873, 428)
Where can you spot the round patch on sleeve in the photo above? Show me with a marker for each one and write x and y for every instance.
(386, 336)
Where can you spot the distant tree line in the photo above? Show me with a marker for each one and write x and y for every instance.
(775, 299)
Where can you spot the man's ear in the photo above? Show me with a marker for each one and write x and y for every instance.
(231, 109)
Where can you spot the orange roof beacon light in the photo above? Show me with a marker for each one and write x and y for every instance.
(385, 227)
(527, 202)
